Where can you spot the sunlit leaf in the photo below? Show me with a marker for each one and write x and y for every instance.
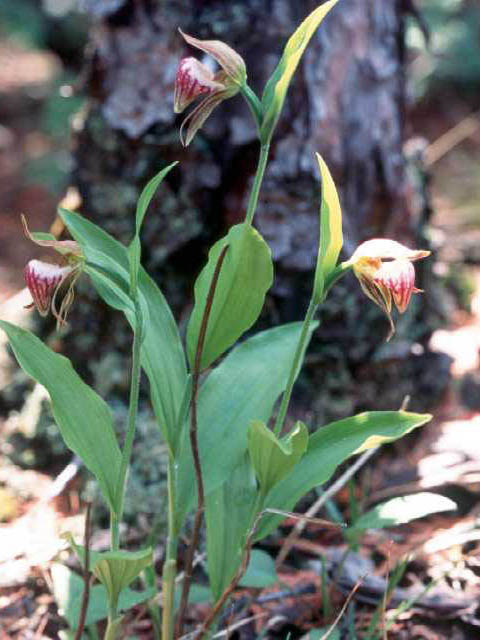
(330, 446)
(331, 238)
(278, 83)
(403, 509)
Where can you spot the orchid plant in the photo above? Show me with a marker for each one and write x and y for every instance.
(233, 460)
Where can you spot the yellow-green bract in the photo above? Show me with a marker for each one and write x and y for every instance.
(331, 238)
(278, 83)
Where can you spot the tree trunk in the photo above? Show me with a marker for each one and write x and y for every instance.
(347, 102)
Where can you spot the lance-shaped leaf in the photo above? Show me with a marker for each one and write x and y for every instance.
(116, 570)
(229, 516)
(245, 276)
(243, 387)
(273, 458)
(331, 238)
(278, 83)
(134, 250)
(84, 420)
(401, 510)
(330, 446)
(162, 354)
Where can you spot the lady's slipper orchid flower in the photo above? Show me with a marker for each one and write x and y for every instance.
(44, 279)
(194, 79)
(386, 274)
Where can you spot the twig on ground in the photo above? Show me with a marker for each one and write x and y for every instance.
(342, 610)
(318, 504)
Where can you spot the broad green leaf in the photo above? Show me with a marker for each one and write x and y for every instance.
(331, 238)
(242, 388)
(134, 250)
(199, 594)
(68, 590)
(162, 353)
(229, 516)
(330, 446)
(116, 570)
(245, 277)
(401, 510)
(84, 420)
(277, 86)
(273, 458)
(260, 572)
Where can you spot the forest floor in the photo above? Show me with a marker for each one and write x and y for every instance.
(438, 594)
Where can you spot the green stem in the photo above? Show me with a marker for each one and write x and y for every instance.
(299, 352)
(254, 104)
(132, 418)
(170, 564)
(336, 274)
(253, 200)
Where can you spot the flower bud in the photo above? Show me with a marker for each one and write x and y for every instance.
(43, 279)
(386, 274)
(398, 277)
(193, 80)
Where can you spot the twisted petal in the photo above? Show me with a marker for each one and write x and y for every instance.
(197, 117)
(193, 80)
(230, 61)
(65, 247)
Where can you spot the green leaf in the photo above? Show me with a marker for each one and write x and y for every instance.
(278, 83)
(84, 420)
(260, 572)
(147, 195)
(330, 446)
(273, 458)
(162, 353)
(116, 570)
(229, 516)
(242, 388)
(68, 590)
(401, 510)
(331, 238)
(245, 277)
(134, 250)
(199, 594)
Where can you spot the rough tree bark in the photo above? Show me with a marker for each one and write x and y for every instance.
(347, 102)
